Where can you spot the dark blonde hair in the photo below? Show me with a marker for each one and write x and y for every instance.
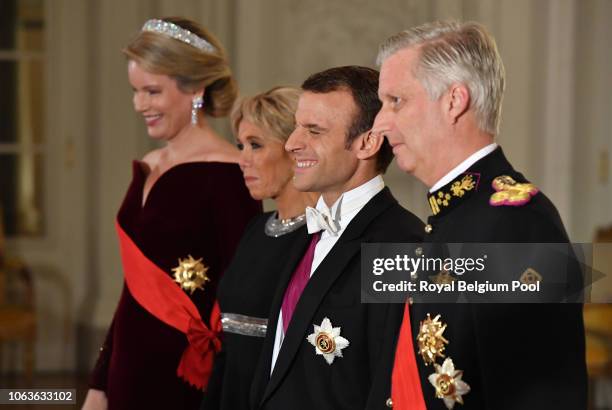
(192, 68)
(273, 111)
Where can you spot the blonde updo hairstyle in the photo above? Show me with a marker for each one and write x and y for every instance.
(192, 68)
(273, 111)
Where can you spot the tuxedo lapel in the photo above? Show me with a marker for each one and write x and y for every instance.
(317, 288)
(332, 266)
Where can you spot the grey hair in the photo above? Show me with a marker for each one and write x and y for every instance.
(453, 52)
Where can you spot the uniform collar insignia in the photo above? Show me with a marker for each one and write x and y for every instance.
(454, 192)
(327, 341)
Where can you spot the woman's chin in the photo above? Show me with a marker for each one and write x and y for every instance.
(256, 194)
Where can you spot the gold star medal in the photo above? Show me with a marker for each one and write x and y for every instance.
(448, 384)
(327, 341)
(190, 274)
(430, 340)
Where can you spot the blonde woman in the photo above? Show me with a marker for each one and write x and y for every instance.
(178, 226)
(262, 124)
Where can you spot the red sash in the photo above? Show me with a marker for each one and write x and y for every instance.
(156, 292)
(406, 390)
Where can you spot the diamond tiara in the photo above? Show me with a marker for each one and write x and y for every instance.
(172, 30)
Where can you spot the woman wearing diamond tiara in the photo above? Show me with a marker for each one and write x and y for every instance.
(178, 226)
(261, 124)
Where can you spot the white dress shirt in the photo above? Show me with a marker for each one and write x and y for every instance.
(468, 162)
(343, 211)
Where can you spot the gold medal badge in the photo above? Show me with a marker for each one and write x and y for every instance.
(190, 274)
(430, 340)
(446, 380)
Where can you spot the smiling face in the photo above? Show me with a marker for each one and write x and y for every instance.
(318, 144)
(412, 123)
(266, 167)
(165, 108)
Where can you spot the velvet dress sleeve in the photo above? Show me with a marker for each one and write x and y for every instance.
(99, 376)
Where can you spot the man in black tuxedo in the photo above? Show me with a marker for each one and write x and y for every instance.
(323, 347)
(441, 85)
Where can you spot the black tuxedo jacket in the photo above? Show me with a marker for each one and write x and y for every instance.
(513, 356)
(303, 379)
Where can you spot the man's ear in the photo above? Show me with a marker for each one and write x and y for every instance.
(368, 144)
(457, 101)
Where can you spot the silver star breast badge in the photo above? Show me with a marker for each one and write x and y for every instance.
(448, 384)
(327, 341)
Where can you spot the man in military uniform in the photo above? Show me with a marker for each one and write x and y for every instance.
(441, 85)
(323, 347)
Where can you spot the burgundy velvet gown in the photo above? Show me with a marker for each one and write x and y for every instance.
(198, 209)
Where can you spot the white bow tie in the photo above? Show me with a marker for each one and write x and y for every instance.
(321, 220)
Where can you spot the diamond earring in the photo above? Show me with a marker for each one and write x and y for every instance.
(196, 104)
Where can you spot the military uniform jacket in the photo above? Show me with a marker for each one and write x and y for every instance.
(513, 356)
(304, 380)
